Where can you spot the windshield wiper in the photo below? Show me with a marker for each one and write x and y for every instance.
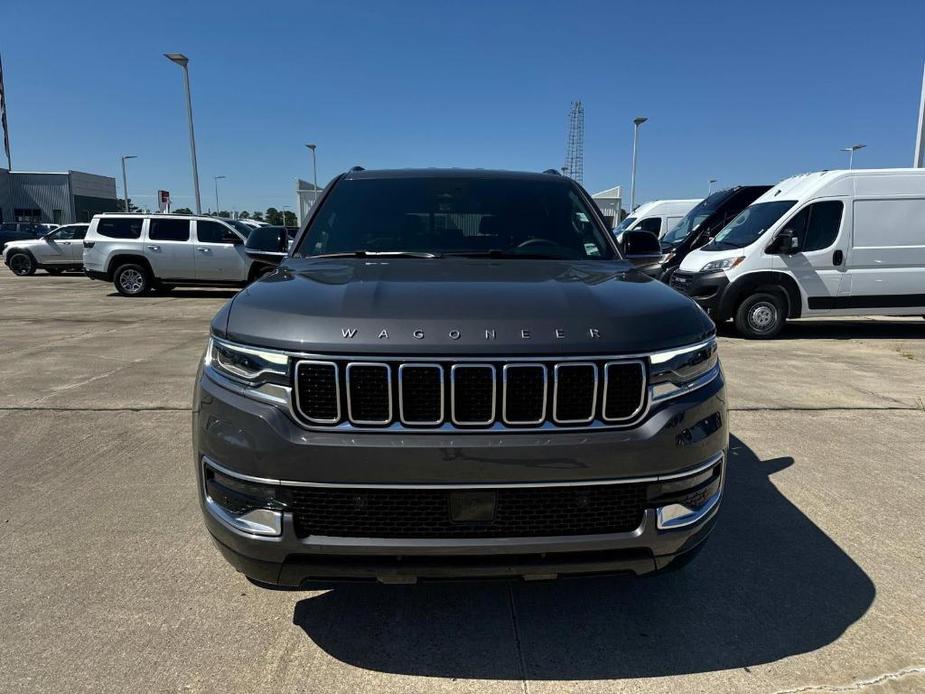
(497, 253)
(377, 254)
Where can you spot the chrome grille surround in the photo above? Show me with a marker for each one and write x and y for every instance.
(407, 368)
(295, 391)
(366, 365)
(555, 392)
(505, 371)
(457, 368)
(450, 419)
(642, 397)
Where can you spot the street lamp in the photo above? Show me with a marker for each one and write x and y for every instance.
(639, 120)
(852, 149)
(282, 211)
(314, 174)
(710, 187)
(125, 178)
(217, 208)
(183, 62)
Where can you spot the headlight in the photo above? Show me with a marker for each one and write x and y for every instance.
(682, 370)
(247, 364)
(724, 264)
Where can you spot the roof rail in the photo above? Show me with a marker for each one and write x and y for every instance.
(357, 168)
(554, 172)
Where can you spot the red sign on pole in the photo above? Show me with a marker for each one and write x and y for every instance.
(163, 200)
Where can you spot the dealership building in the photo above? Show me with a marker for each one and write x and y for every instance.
(57, 197)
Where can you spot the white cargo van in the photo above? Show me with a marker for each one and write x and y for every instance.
(839, 243)
(658, 216)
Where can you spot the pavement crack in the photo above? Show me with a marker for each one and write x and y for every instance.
(77, 408)
(525, 687)
(859, 685)
(829, 408)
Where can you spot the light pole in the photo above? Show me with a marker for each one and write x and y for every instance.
(125, 178)
(217, 208)
(183, 62)
(282, 211)
(852, 149)
(710, 187)
(639, 120)
(314, 174)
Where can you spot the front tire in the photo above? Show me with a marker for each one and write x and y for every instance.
(21, 263)
(760, 316)
(131, 280)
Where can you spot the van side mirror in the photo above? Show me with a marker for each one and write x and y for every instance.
(785, 243)
(268, 245)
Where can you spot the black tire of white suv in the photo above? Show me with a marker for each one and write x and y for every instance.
(131, 279)
(761, 316)
(21, 263)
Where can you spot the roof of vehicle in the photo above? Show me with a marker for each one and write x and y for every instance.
(845, 182)
(451, 173)
(160, 215)
(650, 207)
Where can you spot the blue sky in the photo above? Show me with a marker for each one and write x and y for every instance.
(739, 91)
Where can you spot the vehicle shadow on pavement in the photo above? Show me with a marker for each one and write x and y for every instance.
(181, 294)
(769, 584)
(842, 330)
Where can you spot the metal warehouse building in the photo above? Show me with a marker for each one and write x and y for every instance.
(57, 197)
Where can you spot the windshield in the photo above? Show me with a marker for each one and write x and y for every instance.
(749, 225)
(694, 218)
(479, 216)
(625, 224)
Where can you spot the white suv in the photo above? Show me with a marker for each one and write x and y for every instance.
(144, 252)
(54, 252)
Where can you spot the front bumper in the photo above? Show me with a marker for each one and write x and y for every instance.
(682, 439)
(705, 288)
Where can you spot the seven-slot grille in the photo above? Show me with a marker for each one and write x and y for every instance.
(423, 513)
(469, 395)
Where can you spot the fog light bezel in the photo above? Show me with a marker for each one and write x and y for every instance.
(680, 513)
(261, 521)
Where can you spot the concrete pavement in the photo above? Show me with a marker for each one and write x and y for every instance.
(812, 581)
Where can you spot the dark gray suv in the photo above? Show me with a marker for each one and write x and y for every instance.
(456, 374)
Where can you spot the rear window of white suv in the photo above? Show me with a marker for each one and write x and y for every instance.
(116, 228)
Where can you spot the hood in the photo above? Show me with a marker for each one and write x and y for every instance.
(21, 244)
(461, 306)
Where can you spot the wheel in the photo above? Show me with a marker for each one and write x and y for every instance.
(54, 270)
(21, 263)
(131, 280)
(760, 316)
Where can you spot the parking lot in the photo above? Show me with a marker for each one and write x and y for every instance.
(813, 580)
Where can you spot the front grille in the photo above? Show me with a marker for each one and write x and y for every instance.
(426, 513)
(316, 392)
(623, 387)
(369, 393)
(469, 396)
(524, 393)
(680, 281)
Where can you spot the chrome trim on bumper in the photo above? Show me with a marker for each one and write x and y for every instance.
(718, 458)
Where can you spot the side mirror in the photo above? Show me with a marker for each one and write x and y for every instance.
(268, 245)
(785, 243)
(641, 248)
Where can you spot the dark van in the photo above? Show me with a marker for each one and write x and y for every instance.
(703, 222)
